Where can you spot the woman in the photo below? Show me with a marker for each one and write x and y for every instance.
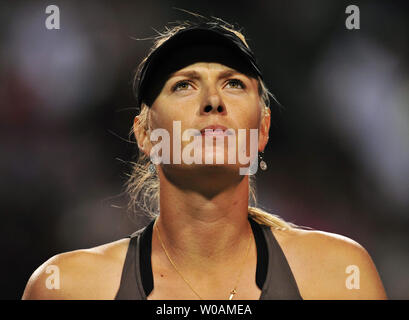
(206, 243)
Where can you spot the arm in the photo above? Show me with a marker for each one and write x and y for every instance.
(344, 269)
(329, 266)
(46, 282)
(82, 274)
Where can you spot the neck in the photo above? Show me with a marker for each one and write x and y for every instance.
(198, 229)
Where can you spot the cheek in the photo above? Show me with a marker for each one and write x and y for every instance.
(162, 115)
(165, 111)
(170, 118)
(161, 119)
(247, 115)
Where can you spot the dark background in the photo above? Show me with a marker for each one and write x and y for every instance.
(338, 156)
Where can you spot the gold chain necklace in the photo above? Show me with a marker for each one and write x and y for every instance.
(232, 292)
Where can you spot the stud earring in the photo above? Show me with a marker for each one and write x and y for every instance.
(152, 168)
(263, 164)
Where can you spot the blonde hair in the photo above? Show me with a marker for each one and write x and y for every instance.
(142, 186)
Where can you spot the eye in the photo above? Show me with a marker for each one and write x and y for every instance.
(236, 84)
(181, 85)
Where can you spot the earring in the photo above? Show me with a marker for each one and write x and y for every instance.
(152, 168)
(263, 164)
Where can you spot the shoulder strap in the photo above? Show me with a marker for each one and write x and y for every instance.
(131, 287)
(280, 283)
(145, 263)
(262, 253)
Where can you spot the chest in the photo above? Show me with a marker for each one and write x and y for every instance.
(169, 284)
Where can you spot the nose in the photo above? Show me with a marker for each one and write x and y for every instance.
(213, 103)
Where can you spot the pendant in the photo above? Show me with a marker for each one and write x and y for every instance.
(232, 293)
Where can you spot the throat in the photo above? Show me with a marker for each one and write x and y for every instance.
(210, 245)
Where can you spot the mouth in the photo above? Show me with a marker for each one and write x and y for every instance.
(216, 130)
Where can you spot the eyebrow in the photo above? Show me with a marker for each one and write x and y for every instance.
(196, 75)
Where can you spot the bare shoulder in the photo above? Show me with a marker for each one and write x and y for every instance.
(330, 266)
(93, 273)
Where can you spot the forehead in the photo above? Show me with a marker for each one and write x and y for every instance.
(196, 69)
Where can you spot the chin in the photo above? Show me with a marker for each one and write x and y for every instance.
(202, 172)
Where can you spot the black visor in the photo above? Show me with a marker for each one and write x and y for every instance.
(200, 43)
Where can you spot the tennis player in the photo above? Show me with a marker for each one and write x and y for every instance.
(201, 80)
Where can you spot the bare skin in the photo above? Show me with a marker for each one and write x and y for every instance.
(204, 209)
(317, 260)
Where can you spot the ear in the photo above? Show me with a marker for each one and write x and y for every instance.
(141, 136)
(264, 129)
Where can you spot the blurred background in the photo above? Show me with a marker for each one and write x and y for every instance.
(338, 155)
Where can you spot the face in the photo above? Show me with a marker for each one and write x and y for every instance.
(208, 94)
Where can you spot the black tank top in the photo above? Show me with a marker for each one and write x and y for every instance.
(273, 274)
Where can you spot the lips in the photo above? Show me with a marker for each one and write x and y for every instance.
(215, 130)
